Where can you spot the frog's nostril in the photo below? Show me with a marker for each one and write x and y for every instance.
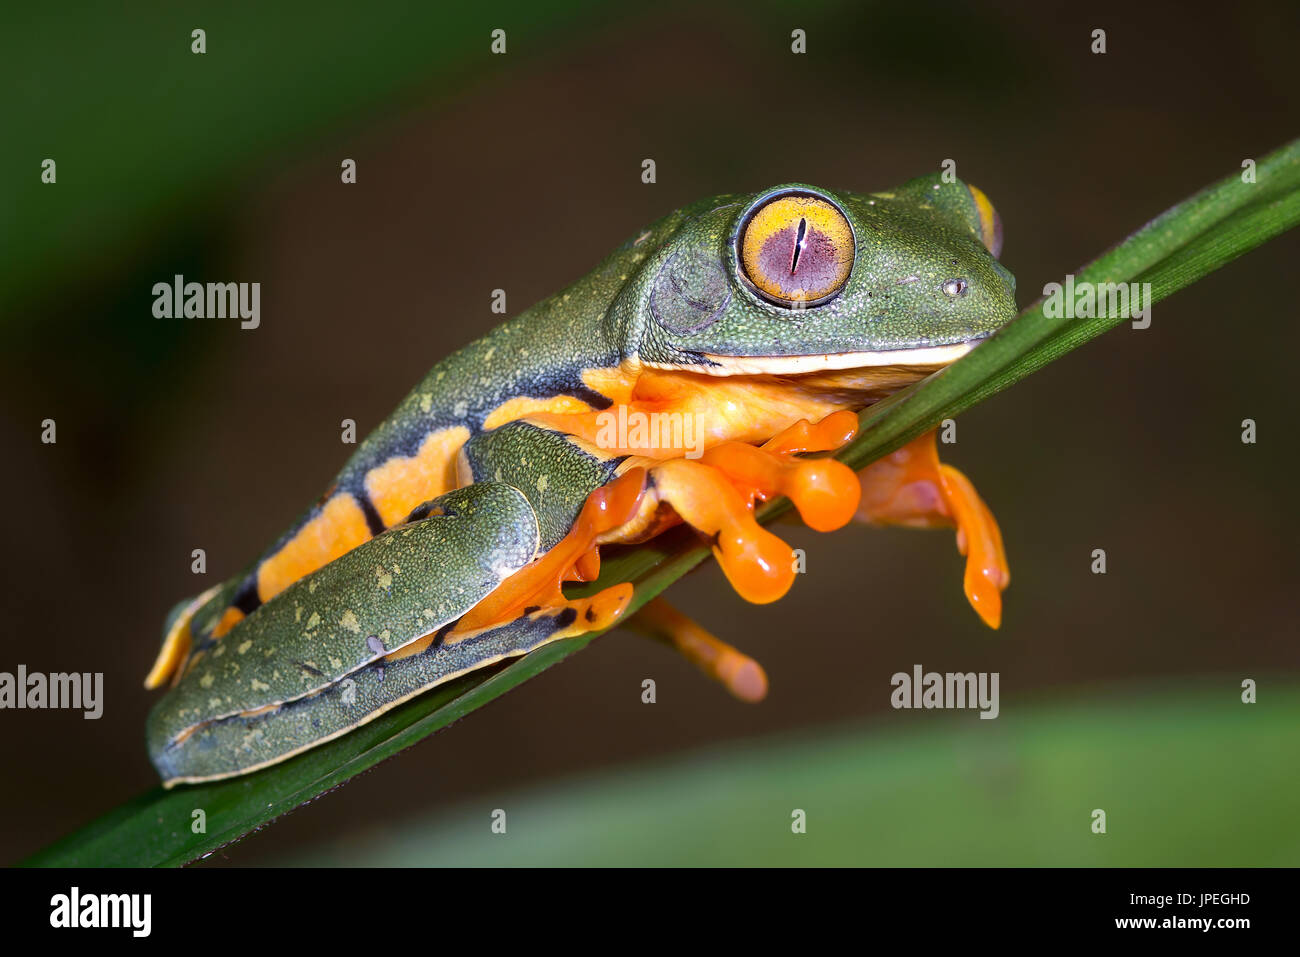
(955, 287)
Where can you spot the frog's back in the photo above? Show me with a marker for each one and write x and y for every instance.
(554, 356)
(542, 358)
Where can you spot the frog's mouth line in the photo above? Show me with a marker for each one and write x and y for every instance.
(928, 357)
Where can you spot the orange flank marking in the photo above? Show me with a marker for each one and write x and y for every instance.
(616, 384)
(411, 648)
(538, 585)
(911, 487)
(523, 407)
(229, 619)
(397, 486)
(740, 674)
(664, 414)
(337, 529)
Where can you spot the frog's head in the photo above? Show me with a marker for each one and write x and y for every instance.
(800, 279)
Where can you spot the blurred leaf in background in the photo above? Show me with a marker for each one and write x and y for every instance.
(1187, 776)
(148, 135)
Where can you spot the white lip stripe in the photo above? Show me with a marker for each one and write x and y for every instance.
(796, 365)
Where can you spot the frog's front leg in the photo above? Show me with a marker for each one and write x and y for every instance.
(912, 487)
(716, 495)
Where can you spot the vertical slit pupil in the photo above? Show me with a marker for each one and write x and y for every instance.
(798, 244)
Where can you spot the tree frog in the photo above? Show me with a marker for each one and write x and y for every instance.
(698, 370)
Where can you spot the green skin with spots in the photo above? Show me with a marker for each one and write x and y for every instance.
(672, 297)
(324, 627)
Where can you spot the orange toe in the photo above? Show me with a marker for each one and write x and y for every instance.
(980, 540)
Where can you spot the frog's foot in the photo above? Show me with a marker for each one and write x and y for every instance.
(177, 642)
(716, 495)
(912, 487)
(740, 674)
(535, 589)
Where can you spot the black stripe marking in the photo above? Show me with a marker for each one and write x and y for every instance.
(373, 521)
(440, 638)
(590, 396)
(247, 599)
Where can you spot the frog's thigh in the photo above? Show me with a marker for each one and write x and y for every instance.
(401, 589)
(506, 624)
(912, 487)
(246, 743)
(554, 472)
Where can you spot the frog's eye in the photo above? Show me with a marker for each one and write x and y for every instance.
(796, 250)
(954, 287)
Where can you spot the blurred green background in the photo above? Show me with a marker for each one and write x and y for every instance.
(520, 172)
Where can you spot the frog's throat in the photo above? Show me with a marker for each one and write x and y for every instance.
(926, 358)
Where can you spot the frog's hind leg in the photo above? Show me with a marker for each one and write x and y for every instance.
(912, 487)
(738, 673)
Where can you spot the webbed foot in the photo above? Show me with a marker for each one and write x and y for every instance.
(912, 487)
(717, 494)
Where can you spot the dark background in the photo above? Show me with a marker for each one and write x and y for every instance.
(520, 172)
